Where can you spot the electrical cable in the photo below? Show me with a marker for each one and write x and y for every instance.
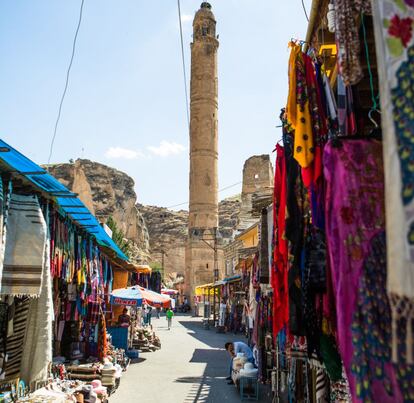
(66, 82)
(374, 98)
(304, 9)
(183, 60)
(221, 190)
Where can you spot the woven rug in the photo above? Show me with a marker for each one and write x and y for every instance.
(37, 351)
(24, 250)
(14, 343)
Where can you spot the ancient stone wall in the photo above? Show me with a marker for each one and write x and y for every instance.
(258, 181)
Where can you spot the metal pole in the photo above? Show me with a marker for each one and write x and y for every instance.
(215, 273)
(162, 263)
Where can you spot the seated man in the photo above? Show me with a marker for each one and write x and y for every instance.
(124, 320)
(233, 349)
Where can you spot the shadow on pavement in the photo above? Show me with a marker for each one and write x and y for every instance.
(209, 337)
(212, 386)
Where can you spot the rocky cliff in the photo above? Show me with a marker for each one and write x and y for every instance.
(168, 231)
(167, 236)
(107, 192)
(160, 235)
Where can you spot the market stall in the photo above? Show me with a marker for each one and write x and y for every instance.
(136, 335)
(53, 294)
(339, 311)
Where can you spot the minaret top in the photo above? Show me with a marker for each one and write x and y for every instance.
(204, 24)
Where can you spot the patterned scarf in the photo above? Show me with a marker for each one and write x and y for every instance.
(347, 37)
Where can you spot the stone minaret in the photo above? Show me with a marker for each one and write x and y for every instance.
(203, 217)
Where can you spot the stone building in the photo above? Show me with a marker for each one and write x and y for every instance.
(258, 180)
(203, 207)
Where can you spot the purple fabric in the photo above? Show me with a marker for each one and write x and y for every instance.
(354, 215)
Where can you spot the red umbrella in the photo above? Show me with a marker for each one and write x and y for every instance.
(168, 291)
(154, 299)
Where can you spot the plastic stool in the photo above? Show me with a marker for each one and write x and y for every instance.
(249, 388)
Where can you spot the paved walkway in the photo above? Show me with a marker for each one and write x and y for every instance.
(190, 367)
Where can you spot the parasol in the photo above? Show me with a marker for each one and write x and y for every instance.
(137, 295)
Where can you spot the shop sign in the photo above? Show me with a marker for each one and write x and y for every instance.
(124, 301)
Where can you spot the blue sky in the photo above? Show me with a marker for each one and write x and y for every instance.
(125, 104)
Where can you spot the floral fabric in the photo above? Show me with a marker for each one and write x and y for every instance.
(354, 215)
(371, 330)
(393, 23)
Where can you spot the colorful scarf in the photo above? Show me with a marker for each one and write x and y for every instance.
(354, 217)
(347, 13)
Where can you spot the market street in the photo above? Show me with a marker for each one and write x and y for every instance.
(190, 367)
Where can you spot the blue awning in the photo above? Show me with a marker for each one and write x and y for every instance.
(232, 278)
(68, 204)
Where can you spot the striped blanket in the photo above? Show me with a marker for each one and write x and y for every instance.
(24, 249)
(14, 343)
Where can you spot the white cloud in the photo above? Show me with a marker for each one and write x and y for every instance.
(166, 149)
(119, 152)
(186, 18)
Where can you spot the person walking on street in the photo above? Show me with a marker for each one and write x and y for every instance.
(149, 315)
(169, 314)
(158, 312)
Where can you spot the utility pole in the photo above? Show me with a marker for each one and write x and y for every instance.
(215, 269)
(162, 263)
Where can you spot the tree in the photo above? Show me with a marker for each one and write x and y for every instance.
(119, 237)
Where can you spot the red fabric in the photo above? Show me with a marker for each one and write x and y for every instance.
(280, 251)
(93, 312)
(312, 173)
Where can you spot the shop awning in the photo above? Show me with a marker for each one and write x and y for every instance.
(68, 203)
(232, 279)
(205, 289)
(141, 268)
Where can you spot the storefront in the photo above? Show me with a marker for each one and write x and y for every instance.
(341, 306)
(58, 268)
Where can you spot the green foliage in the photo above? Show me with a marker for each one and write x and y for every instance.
(155, 266)
(119, 237)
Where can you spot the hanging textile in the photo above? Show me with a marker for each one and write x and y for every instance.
(264, 248)
(393, 22)
(280, 250)
(269, 240)
(24, 249)
(347, 13)
(297, 219)
(37, 352)
(371, 327)
(298, 110)
(14, 340)
(354, 217)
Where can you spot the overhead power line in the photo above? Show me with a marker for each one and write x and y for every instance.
(66, 82)
(221, 190)
(183, 60)
(304, 10)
